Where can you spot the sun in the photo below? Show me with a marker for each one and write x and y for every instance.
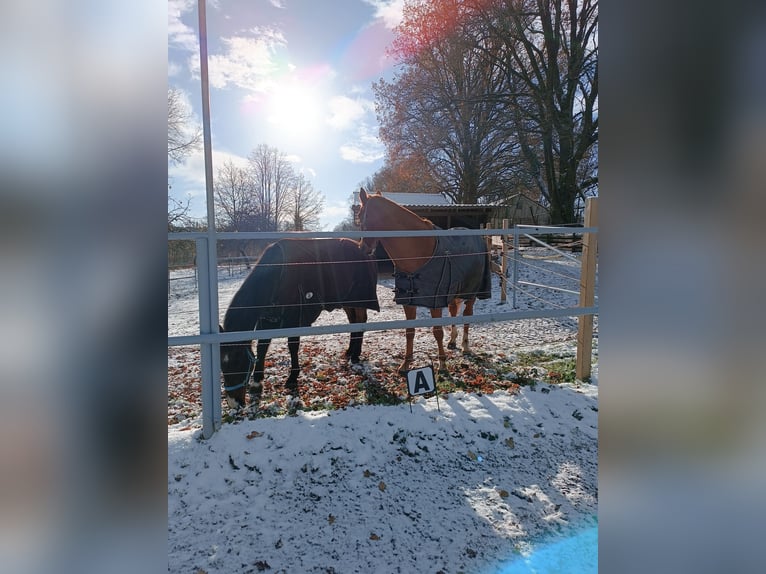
(295, 108)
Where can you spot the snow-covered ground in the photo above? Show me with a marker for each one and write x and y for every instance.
(480, 482)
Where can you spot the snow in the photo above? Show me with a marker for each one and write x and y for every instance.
(478, 482)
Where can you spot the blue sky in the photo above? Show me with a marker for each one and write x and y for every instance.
(293, 74)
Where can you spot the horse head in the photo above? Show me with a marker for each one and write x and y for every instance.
(237, 364)
(366, 223)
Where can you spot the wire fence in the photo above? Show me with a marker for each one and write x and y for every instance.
(557, 296)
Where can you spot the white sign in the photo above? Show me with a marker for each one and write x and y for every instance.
(421, 381)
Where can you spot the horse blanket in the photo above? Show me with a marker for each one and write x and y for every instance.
(296, 279)
(459, 268)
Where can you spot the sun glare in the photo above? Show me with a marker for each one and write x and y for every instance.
(295, 108)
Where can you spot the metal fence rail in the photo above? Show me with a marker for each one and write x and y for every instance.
(209, 338)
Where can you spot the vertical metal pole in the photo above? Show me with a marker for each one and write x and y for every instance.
(211, 393)
(210, 352)
(504, 264)
(515, 261)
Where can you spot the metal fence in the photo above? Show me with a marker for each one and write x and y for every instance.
(209, 338)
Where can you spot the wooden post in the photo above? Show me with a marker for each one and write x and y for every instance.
(587, 289)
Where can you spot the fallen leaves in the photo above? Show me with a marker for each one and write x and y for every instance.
(326, 382)
(254, 434)
(382, 486)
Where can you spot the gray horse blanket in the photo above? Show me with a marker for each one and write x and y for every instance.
(459, 268)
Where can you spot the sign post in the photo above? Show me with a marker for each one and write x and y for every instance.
(421, 381)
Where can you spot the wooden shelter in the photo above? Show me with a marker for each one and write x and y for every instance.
(440, 210)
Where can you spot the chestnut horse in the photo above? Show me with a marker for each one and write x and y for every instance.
(432, 272)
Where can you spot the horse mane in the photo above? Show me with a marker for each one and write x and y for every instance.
(254, 296)
(401, 207)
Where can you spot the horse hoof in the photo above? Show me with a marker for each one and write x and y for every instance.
(451, 345)
(294, 405)
(234, 403)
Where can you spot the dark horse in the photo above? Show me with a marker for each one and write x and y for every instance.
(432, 272)
(290, 285)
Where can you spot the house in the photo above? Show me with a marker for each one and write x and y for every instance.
(519, 209)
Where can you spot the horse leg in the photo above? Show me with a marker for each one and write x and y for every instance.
(355, 315)
(453, 309)
(467, 312)
(292, 381)
(438, 332)
(260, 358)
(409, 314)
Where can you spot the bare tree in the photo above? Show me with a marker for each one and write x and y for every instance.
(495, 97)
(178, 213)
(305, 206)
(266, 195)
(436, 118)
(273, 179)
(235, 205)
(184, 135)
(435, 115)
(549, 54)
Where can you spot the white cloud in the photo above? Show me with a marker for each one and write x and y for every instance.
(366, 148)
(345, 111)
(179, 34)
(294, 158)
(390, 11)
(247, 63)
(174, 69)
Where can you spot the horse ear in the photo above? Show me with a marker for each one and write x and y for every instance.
(362, 194)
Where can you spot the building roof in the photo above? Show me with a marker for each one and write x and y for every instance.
(421, 199)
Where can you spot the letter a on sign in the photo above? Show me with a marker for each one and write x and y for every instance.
(421, 381)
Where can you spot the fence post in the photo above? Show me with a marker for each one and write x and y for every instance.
(587, 289)
(208, 281)
(209, 352)
(504, 264)
(515, 261)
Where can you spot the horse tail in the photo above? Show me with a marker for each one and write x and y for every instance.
(485, 287)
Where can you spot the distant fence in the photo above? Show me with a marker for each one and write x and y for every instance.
(210, 338)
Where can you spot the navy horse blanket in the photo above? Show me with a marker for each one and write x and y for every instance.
(458, 269)
(296, 279)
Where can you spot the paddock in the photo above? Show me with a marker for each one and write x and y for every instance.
(546, 313)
